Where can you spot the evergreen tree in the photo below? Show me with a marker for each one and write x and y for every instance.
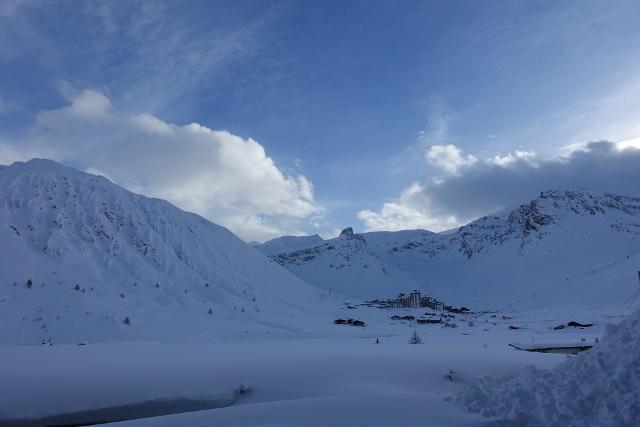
(415, 338)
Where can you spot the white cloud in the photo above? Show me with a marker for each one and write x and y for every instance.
(221, 176)
(409, 212)
(149, 55)
(507, 181)
(510, 159)
(449, 158)
(628, 144)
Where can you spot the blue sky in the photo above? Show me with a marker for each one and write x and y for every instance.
(332, 109)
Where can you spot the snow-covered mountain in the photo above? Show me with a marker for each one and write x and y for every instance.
(565, 247)
(84, 259)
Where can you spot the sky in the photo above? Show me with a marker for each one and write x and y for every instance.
(303, 117)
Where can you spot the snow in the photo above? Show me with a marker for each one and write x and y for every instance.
(377, 410)
(210, 316)
(600, 387)
(288, 243)
(295, 380)
(98, 254)
(349, 364)
(569, 247)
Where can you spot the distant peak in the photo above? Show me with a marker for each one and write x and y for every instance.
(39, 162)
(565, 192)
(36, 164)
(347, 232)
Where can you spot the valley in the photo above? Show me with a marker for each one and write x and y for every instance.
(146, 315)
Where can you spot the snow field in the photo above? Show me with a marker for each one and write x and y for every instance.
(340, 368)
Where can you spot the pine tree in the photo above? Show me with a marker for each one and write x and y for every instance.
(415, 338)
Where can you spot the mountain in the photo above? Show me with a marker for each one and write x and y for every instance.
(84, 259)
(569, 247)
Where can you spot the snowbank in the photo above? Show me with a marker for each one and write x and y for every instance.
(600, 387)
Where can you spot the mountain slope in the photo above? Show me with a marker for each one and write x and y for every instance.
(572, 247)
(97, 254)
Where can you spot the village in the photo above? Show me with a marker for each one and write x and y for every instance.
(415, 299)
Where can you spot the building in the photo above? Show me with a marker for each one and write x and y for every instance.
(416, 300)
(401, 301)
(431, 303)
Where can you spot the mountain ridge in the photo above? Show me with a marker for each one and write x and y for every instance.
(555, 220)
(98, 253)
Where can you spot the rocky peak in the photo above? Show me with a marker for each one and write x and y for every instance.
(347, 233)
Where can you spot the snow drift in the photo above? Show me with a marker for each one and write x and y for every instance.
(599, 387)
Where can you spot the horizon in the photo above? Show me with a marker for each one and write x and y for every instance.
(285, 119)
